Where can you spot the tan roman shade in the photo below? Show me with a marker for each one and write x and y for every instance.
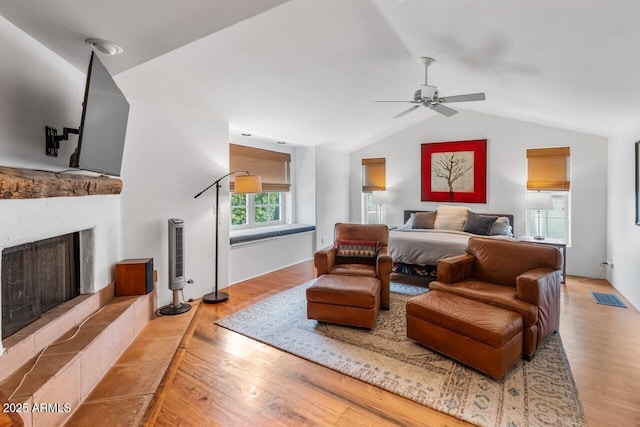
(548, 169)
(374, 175)
(272, 166)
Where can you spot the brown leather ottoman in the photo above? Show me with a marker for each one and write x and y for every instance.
(348, 300)
(483, 336)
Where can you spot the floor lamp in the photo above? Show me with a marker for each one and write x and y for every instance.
(243, 184)
(539, 201)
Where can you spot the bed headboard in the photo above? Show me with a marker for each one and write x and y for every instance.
(407, 215)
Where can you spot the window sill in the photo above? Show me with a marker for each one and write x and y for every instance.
(239, 237)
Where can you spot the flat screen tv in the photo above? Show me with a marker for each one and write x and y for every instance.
(103, 127)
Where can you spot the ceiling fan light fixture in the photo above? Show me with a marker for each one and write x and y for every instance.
(428, 92)
(106, 47)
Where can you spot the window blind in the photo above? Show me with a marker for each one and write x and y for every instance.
(272, 166)
(374, 175)
(548, 169)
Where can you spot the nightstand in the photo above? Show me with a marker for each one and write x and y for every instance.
(557, 243)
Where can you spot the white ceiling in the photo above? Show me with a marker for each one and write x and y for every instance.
(307, 71)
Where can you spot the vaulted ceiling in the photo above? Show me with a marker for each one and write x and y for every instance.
(308, 71)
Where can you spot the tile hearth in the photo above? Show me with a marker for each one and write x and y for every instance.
(116, 360)
(125, 392)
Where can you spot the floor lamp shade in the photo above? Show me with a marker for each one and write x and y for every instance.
(246, 183)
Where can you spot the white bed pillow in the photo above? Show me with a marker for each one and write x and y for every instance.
(409, 224)
(502, 227)
(450, 217)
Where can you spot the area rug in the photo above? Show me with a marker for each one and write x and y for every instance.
(536, 393)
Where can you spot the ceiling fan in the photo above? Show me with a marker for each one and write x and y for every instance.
(428, 96)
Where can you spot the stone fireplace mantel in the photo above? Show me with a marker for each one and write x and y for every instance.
(18, 183)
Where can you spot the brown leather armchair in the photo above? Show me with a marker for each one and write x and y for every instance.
(520, 277)
(325, 259)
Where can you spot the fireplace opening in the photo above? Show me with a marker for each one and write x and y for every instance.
(37, 277)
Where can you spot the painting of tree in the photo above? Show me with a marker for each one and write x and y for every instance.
(454, 171)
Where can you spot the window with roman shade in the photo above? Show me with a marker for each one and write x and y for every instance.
(548, 169)
(374, 175)
(272, 166)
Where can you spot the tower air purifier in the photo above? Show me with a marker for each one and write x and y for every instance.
(177, 279)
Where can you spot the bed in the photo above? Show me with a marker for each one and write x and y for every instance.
(416, 252)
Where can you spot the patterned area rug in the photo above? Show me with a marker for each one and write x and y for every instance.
(536, 393)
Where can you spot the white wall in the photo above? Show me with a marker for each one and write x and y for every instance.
(38, 88)
(248, 260)
(170, 156)
(332, 193)
(305, 203)
(623, 236)
(507, 141)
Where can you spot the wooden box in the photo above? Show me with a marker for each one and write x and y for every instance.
(134, 277)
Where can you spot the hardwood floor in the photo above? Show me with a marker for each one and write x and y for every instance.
(222, 378)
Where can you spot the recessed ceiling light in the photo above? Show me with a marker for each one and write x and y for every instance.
(245, 134)
(105, 46)
(281, 142)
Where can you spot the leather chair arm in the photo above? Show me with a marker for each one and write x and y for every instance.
(384, 266)
(324, 259)
(384, 263)
(455, 268)
(538, 286)
(541, 287)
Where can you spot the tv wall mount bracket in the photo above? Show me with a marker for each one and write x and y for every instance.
(53, 139)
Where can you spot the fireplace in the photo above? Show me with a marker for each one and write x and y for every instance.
(37, 277)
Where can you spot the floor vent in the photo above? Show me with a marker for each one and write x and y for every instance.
(607, 299)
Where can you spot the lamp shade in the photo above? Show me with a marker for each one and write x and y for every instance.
(248, 184)
(539, 201)
(379, 197)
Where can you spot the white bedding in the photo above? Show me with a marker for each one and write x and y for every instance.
(427, 246)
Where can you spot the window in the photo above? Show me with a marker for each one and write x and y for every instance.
(254, 210)
(270, 206)
(239, 209)
(548, 170)
(374, 178)
(369, 209)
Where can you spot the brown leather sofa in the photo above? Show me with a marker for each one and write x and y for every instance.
(520, 277)
(325, 259)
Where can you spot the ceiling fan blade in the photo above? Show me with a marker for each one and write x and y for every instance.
(445, 111)
(462, 98)
(413, 102)
(407, 111)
